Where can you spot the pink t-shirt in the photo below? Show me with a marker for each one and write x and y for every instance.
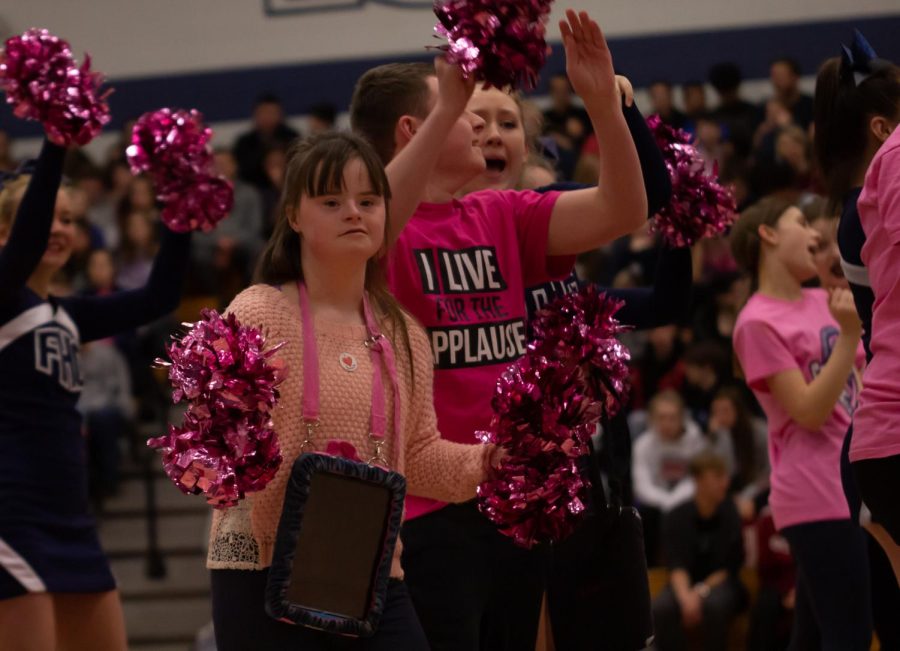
(773, 335)
(461, 269)
(876, 424)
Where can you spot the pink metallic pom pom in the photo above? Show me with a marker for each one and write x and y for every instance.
(582, 330)
(172, 147)
(226, 446)
(700, 206)
(198, 205)
(501, 42)
(535, 499)
(545, 409)
(43, 83)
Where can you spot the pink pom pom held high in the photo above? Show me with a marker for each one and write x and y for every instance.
(225, 447)
(172, 147)
(42, 82)
(501, 42)
(700, 206)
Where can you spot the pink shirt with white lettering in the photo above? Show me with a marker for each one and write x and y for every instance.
(461, 269)
(876, 424)
(773, 335)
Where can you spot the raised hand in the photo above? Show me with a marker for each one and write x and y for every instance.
(454, 88)
(588, 60)
(843, 309)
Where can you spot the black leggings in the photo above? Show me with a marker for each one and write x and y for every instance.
(241, 622)
(472, 587)
(833, 610)
(879, 486)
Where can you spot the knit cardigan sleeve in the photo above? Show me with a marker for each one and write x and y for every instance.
(436, 468)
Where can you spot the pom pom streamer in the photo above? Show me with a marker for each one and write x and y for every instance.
(700, 206)
(546, 407)
(225, 446)
(501, 42)
(172, 147)
(42, 82)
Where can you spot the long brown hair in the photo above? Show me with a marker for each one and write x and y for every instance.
(743, 435)
(843, 109)
(314, 167)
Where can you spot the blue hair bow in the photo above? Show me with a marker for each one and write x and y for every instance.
(859, 61)
(25, 167)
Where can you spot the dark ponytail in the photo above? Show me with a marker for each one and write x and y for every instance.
(843, 110)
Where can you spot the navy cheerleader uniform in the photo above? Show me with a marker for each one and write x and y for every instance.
(48, 538)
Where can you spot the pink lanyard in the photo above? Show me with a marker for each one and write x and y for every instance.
(382, 355)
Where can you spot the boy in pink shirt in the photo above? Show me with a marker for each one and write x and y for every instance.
(460, 266)
(875, 449)
(800, 353)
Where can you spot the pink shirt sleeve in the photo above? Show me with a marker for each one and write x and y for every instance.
(889, 193)
(762, 353)
(532, 211)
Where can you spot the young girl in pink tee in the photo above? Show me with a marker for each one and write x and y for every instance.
(800, 353)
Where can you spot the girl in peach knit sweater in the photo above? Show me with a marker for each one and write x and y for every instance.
(331, 236)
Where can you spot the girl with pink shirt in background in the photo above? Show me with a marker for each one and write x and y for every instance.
(801, 355)
(320, 276)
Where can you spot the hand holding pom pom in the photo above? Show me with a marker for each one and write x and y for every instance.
(173, 148)
(545, 408)
(500, 42)
(700, 206)
(226, 446)
(43, 83)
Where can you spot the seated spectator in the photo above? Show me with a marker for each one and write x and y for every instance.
(140, 242)
(322, 118)
(85, 239)
(567, 123)
(710, 141)
(103, 213)
(784, 73)
(719, 294)
(773, 608)
(693, 99)
(793, 147)
(706, 369)
(660, 461)
(274, 164)
(777, 116)
(704, 552)
(101, 273)
(269, 130)
(739, 117)
(223, 259)
(662, 102)
(657, 367)
(107, 407)
(742, 441)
